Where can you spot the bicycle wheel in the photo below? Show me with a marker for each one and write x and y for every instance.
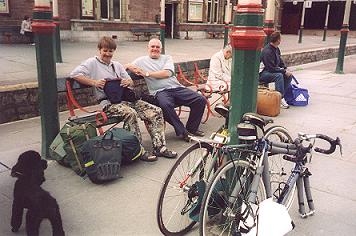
(280, 169)
(181, 194)
(226, 209)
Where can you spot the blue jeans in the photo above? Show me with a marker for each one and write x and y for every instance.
(281, 81)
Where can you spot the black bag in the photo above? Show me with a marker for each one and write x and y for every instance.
(115, 93)
(131, 146)
(102, 158)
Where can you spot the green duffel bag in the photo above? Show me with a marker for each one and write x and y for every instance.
(73, 136)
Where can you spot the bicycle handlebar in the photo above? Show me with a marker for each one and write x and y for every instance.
(333, 143)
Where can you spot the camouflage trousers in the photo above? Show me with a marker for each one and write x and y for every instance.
(150, 114)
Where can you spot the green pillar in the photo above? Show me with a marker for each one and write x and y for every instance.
(162, 38)
(57, 42)
(343, 38)
(342, 47)
(247, 39)
(226, 34)
(43, 29)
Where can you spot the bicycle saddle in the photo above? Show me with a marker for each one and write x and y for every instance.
(256, 119)
(222, 109)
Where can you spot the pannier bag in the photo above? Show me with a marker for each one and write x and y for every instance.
(268, 102)
(102, 158)
(66, 147)
(296, 96)
(131, 146)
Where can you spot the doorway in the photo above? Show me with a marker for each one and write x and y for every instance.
(170, 20)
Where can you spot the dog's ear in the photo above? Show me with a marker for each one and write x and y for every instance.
(44, 164)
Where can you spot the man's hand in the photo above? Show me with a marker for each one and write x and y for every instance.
(100, 83)
(126, 82)
(288, 74)
(135, 69)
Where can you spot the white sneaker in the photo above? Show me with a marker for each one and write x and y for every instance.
(284, 104)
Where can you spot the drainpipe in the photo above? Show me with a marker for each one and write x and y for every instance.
(227, 22)
(269, 20)
(162, 27)
(302, 24)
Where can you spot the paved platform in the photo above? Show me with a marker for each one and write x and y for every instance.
(127, 206)
(18, 61)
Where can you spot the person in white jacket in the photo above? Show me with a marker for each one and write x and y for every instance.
(220, 70)
(26, 28)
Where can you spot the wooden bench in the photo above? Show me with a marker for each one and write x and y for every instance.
(11, 34)
(215, 33)
(145, 32)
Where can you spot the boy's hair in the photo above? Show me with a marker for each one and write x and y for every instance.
(275, 36)
(106, 42)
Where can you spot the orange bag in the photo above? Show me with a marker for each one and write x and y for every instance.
(268, 102)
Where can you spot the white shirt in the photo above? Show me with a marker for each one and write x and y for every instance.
(25, 27)
(219, 71)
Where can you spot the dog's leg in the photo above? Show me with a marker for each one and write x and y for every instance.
(16, 217)
(56, 222)
(33, 222)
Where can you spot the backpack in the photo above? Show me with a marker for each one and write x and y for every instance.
(102, 158)
(67, 145)
(131, 146)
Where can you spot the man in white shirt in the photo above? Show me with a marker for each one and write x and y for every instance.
(220, 70)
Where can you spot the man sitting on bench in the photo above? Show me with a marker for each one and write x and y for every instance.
(96, 71)
(220, 69)
(158, 71)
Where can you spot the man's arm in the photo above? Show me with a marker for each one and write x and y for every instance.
(161, 74)
(82, 74)
(91, 82)
(268, 58)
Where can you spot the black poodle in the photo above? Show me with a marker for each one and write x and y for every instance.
(28, 194)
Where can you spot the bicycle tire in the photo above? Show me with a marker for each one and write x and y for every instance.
(280, 169)
(170, 219)
(217, 216)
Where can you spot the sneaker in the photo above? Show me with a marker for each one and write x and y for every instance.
(284, 104)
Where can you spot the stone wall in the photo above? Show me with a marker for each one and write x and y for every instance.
(21, 101)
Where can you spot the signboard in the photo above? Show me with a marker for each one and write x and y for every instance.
(308, 4)
(87, 8)
(4, 7)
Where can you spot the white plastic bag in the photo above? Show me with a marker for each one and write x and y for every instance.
(273, 220)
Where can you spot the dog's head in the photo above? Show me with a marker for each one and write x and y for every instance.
(30, 166)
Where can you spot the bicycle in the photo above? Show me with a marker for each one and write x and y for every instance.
(184, 186)
(231, 200)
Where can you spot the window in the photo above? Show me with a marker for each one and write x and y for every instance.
(105, 9)
(87, 9)
(117, 9)
(195, 10)
(213, 7)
